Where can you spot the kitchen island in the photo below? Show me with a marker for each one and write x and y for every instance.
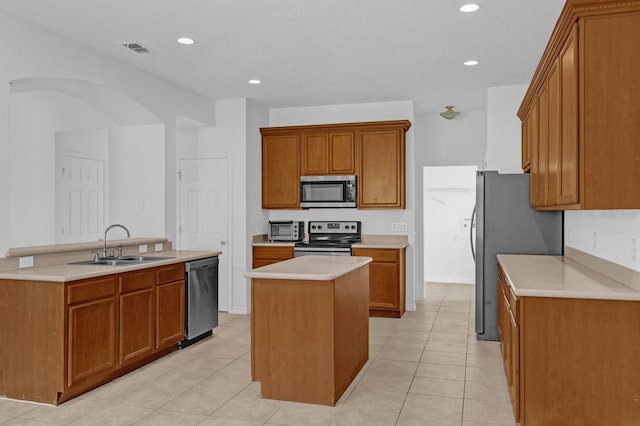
(309, 326)
(68, 328)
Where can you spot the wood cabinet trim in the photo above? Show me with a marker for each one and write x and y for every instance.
(401, 124)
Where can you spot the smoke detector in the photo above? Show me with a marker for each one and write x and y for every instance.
(136, 47)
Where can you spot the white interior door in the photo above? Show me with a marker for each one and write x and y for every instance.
(204, 214)
(80, 191)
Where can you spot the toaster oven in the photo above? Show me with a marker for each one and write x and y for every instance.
(285, 230)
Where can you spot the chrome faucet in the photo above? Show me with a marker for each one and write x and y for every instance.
(104, 247)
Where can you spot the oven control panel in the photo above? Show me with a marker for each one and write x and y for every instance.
(343, 227)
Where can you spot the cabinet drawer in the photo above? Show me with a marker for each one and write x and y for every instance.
(170, 273)
(283, 252)
(378, 255)
(91, 289)
(137, 280)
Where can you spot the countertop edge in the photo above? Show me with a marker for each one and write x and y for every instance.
(604, 287)
(275, 275)
(47, 273)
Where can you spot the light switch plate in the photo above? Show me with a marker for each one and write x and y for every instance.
(158, 247)
(142, 248)
(26, 262)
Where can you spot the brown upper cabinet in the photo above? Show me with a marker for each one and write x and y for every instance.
(580, 114)
(373, 151)
(329, 154)
(281, 171)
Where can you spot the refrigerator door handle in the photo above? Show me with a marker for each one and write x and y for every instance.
(471, 227)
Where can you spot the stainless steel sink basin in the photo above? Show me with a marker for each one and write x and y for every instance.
(145, 258)
(121, 261)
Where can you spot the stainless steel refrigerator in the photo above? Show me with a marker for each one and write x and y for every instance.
(505, 223)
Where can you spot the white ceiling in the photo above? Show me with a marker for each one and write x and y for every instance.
(315, 52)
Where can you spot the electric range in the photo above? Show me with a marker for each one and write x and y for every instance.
(330, 238)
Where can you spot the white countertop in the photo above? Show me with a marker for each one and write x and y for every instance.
(312, 267)
(65, 272)
(559, 276)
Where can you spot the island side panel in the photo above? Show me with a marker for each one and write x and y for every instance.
(352, 326)
(292, 339)
(32, 324)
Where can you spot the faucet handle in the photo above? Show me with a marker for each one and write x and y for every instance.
(120, 250)
(96, 256)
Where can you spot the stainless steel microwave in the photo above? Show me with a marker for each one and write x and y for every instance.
(328, 191)
(285, 230)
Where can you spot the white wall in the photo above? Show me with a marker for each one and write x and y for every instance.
(609, 234)
(440, 142)
(237, 137)
(34, 119)
(54, 57)
(504, 134)
(449, 197)
(136, 176)
(373, 221)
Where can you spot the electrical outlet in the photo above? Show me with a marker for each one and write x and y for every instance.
(633, 249)
(398, 226)
(158, 247)
(142, 248)
(595, 239)
(26, 262)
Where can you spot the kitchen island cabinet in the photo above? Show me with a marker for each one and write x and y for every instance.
(69, 328)
(579, 126)
(92, 308)
(136, 324)
(309, 327)
(570, 342)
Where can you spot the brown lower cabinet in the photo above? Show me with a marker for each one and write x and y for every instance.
(570, 361)
(264, 255)
(387, 281)
(63, 339)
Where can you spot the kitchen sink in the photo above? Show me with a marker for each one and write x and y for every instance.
(121, 261)
(145, 258)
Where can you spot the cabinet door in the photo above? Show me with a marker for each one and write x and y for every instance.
(569, 114)
(169, 314)
(554, 140)
(534, 126)
(386, 279)
(281, 171)
(515, 366)
(543, 141)
(381, 176)
(342, 153)
(315, 154)
(525, 148)
(92, 339)
(137, 325)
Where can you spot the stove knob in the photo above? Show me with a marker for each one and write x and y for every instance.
(319, 226)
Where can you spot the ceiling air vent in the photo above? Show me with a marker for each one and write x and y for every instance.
(136, 47)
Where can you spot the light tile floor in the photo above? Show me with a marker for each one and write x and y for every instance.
(424, 369)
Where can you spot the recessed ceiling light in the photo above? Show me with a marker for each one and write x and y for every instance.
(254, 81)
(186, 40)
(471, 63)
(471, 7)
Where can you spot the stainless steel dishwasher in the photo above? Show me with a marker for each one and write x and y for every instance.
(201, 299)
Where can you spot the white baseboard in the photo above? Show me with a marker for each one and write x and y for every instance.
(448, 280)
